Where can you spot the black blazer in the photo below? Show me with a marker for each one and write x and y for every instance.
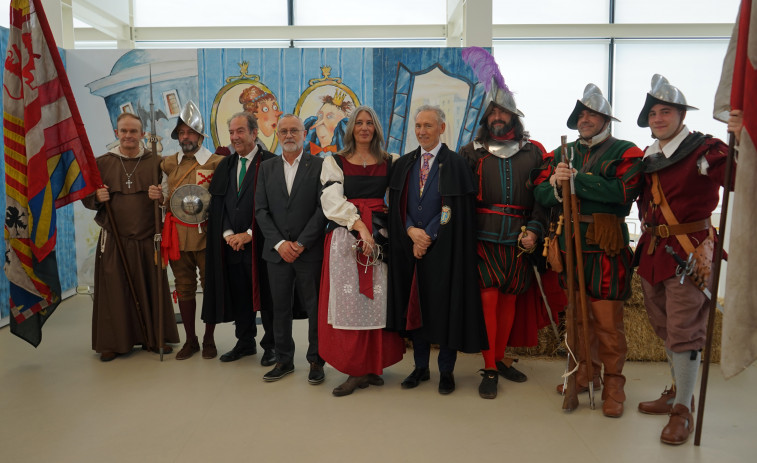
(228, 210)
(295, 217)
(238, 204)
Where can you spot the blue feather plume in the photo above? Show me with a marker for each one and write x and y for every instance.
(485, 67)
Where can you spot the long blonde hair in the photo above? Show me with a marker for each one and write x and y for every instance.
(376, 148)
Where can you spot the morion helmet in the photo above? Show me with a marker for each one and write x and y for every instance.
(661, 92)
(594, 101)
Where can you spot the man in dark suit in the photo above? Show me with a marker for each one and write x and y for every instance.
(236, 280)
(433, 287)
(289, 213)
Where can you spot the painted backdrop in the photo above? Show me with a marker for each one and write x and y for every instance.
(322, 86)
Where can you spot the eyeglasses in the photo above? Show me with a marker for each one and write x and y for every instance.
(285, 132)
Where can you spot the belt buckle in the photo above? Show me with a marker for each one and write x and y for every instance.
(663, 231)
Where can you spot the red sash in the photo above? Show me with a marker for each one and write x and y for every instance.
(170, 239)
(365, 272)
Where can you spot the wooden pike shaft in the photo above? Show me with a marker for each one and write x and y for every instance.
(716, 261)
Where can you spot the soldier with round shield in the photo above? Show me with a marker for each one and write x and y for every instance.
(187, 175)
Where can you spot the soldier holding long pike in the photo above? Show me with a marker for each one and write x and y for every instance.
(683, 173)
(187, 175)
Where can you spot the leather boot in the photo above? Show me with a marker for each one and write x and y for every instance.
(679, 427)
(613, 396)
(611, 338)
(349, 386)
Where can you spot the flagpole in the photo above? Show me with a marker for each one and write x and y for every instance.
(716, 261)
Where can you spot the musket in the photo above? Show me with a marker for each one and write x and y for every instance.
(158, 238)
(716, 261)
(570, 401)
(581, 279)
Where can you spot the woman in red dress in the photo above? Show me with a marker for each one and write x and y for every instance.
(352, 304)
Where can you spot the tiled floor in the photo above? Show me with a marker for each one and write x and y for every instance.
(59, 403)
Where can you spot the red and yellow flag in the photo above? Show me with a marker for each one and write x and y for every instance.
(48, 164)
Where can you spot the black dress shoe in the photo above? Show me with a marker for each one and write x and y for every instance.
(488, 387)
(415, 378)
(316, 375)
(510, 373)
(446, 382)
(238, 352)
(278, 372)
(269, 358)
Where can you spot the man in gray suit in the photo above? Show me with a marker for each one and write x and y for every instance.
(289, 214)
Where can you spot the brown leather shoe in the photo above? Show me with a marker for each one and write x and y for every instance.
(349, 386)
(663, 405)
(107, 356)
(374, 379)
(660, 406)
(209, 350)
(190, 347)
(582, 389)
(679, 427)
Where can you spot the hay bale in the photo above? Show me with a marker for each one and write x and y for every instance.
(643, 343)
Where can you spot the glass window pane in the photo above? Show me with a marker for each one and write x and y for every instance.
(365, 12)
(214, 44)
(676, 11)
(547, 93)
(377, 43)
(682, 62)
(215, 13)
(551, 12)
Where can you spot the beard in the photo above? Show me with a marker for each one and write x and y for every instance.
(500, 128)
(189, 146)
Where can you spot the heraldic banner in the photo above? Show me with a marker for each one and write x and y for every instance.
(738, 91)
(48, 162)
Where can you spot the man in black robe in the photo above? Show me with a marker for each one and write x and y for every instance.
(236, 283)
(433, 287)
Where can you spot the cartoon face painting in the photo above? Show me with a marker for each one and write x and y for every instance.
(264, 106)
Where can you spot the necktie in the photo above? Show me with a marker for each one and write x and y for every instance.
(242, 171)
(424, 170)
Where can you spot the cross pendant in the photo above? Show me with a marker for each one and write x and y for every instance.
(128, 183)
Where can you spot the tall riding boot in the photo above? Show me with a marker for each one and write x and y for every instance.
(610, 332)
(582, 376)
(188, 311)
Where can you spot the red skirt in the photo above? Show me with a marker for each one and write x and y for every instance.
(353, 352)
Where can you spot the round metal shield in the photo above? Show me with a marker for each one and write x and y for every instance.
(190, 204)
